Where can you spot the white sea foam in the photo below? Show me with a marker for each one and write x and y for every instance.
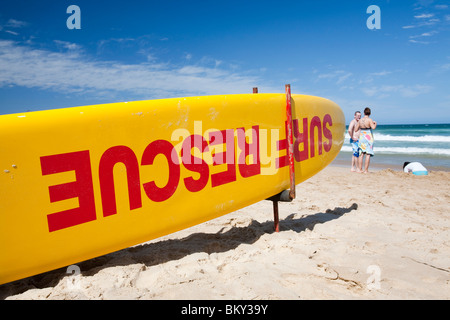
(426, 138)
(409, 150)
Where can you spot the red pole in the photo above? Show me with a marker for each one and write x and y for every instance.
(290, 151)
(290, 141)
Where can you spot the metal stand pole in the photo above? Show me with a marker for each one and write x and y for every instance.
(276, 221)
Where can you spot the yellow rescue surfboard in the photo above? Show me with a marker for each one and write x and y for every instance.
(81, 182)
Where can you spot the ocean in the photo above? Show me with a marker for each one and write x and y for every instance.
(395, 144)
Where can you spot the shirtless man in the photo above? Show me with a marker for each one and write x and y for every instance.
(366, 125)
(354, 137)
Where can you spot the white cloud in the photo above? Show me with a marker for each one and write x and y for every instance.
(344, 77)
(440, 68)
(381, 73)
(417, 41)
(67, 45)
(340, 76)
(424, 16)
(422, 35)
(428, 34)
(370, 91)
(427, 19)
(72, 71)
(12, 23)
(12, 32)
(404, 91)
(445, 67)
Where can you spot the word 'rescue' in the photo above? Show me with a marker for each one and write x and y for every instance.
(313, 139)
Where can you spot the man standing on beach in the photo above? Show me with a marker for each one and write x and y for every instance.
(354, 141)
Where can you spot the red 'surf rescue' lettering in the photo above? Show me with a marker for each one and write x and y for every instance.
(306, 139)
(235, 147)
(81, 188)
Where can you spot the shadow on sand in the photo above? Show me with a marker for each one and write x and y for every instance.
(159, 252)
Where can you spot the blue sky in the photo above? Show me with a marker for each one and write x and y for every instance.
(136, 50)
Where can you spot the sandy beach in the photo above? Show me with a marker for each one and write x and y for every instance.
(383, 235)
